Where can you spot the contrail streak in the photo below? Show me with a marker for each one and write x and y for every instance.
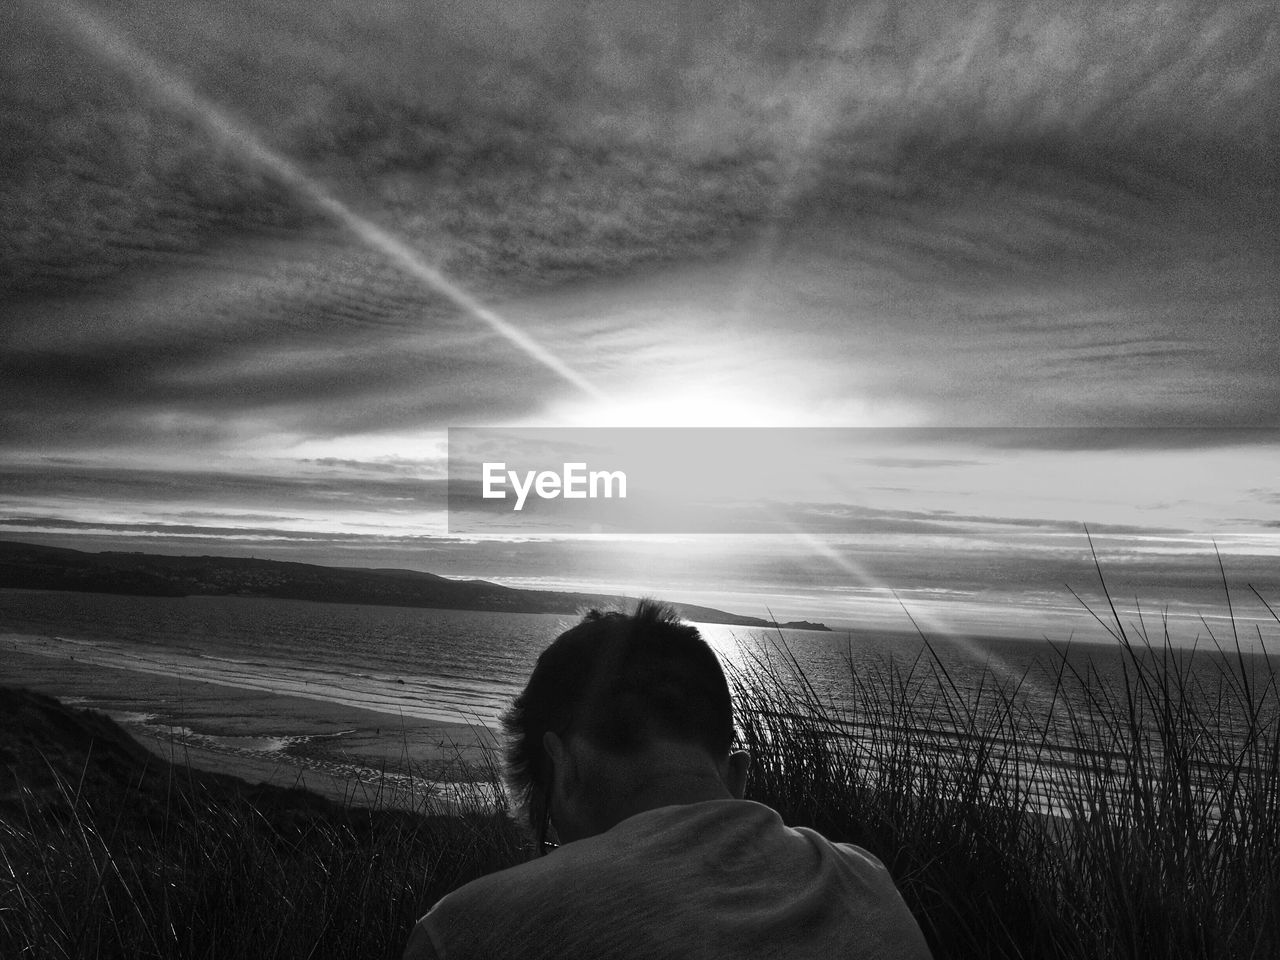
(116, 49)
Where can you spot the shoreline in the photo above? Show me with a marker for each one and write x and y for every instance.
(345, 753)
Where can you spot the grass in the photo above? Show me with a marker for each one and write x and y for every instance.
(1067, 812)
(177, 865)
(1074, 811)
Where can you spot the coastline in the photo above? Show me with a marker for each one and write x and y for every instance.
(349, 754)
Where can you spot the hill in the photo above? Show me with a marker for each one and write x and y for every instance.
(52, 755)
(111, 851)
(38, 567)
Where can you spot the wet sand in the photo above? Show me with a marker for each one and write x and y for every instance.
(346, 753)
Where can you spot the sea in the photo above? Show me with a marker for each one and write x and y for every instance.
(458, 666)
(445, 665)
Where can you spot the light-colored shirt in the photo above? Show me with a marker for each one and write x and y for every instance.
(718, 880)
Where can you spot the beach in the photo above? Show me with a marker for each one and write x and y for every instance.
(346, 753)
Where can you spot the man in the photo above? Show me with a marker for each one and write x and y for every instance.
(621, 745)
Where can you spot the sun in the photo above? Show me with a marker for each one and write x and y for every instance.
(663, 403)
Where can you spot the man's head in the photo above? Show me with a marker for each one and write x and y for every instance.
(614, 705)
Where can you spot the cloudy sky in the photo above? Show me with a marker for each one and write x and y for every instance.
(260, 259)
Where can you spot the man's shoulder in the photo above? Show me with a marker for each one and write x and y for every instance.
(705, 873)
(640, 842)
(479, 904)
(510, 912)
(657, 845)
(506, 885)
(850, 852)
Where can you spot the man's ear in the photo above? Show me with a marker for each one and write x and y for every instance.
(566, 760)
(736, 773)
(555, 749)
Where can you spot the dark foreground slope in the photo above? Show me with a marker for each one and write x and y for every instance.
(57, 568)
(110, 851)
(53, 756)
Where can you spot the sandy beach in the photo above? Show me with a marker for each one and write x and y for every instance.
(342, 752)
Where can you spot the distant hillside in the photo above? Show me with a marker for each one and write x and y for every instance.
(57, 568)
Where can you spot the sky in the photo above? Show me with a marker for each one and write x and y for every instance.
(857, 216)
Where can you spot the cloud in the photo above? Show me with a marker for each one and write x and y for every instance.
(915, 463)
(1123, 69)
(123, 377)
(1103, 438)
(994, 213)
(113, 487)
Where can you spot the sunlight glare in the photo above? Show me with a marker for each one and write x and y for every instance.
(696, 407)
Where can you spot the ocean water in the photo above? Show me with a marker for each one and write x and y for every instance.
(460, 665)
(449, 665)
(465, 666)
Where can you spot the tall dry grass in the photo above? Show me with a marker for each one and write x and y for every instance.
(1072, 812)
(199, 873)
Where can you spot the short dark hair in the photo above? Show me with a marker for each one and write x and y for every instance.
(619, 680)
